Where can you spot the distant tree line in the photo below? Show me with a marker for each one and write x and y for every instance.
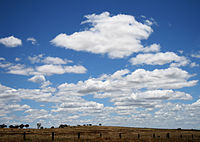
(65, 125)
(38, 126)
(15, 126)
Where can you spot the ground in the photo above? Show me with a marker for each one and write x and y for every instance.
(99, 134)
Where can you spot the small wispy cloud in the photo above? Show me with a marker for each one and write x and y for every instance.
(17, 59)
(193, 64)
(32, 40)
(2, 59)
(196, 55)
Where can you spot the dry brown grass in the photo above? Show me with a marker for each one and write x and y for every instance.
(99, 134)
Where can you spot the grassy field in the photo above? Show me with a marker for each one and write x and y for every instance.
(98, 134)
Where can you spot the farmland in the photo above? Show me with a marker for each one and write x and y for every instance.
(98, 134)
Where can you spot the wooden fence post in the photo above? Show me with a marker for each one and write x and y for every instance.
(79, 134)
(138, 136)
(181, 136)
(167, 136)
(100, 135)
(52, 136)
(154, 135)
(24, 136)
(120, 135)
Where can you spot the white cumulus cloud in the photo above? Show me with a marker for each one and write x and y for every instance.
(124, 82)
(50, 66)
(20, 69)
(37, 79)
(11, 41)
(58, 69)
(152, 48)
(48, 60)
(55, 60)
(118, 36)
(36, 58)
(160, 59)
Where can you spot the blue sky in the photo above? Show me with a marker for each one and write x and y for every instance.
(122, 62)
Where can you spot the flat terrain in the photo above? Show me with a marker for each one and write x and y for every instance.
(98, 134)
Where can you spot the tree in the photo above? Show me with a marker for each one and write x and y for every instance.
(26, 126)
(21, 126)
(16, 126)
(38, 125)
(11, 126)
(66, 125)
(3, 126)
(61, 126)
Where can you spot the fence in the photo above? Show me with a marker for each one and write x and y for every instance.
(101, 136)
